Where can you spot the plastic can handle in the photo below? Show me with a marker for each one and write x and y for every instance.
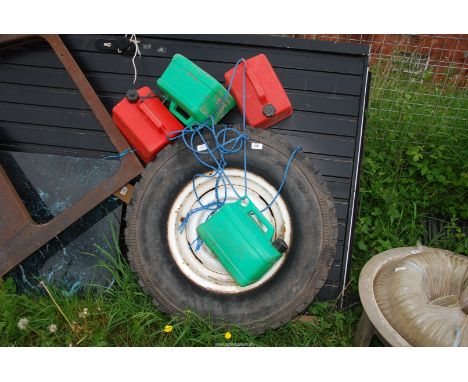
(250, 208)
(173, 109)
(256, 85)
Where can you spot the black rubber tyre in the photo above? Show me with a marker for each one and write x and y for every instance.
(271, 304)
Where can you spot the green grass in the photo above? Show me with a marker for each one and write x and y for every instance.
(414, 167)
(124, 316)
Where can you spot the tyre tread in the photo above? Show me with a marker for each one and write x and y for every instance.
(317, 279)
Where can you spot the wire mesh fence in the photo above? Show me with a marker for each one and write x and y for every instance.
(416, 172)
(419, 85)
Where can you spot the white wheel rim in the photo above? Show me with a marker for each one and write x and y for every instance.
(202, 267)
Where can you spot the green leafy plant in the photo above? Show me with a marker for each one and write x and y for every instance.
(414, 168)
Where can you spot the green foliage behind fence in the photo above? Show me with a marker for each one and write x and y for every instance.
(415, 165)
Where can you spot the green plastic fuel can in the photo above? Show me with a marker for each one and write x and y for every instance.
(241, 238)
(194, 95)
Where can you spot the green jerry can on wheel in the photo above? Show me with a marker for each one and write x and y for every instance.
(241, 238)
(194, 95)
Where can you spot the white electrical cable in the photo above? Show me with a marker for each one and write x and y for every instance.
(135, 42)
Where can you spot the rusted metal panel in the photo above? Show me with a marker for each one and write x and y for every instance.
(19, 234)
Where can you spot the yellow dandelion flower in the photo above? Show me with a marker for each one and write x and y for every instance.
(168, 328)
(227, 335)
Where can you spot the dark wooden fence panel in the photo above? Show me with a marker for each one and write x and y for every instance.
(41, 110)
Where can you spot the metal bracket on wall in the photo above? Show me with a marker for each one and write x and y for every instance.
(20, 236)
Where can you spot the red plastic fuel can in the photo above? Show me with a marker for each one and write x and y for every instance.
(266, 102)
(145, 122)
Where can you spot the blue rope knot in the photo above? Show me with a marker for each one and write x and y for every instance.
(212, 156)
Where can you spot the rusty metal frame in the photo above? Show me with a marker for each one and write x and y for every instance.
(20, 236)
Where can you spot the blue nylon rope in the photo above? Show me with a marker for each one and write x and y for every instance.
(283, 181)
(196, 134)
(121, 154)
